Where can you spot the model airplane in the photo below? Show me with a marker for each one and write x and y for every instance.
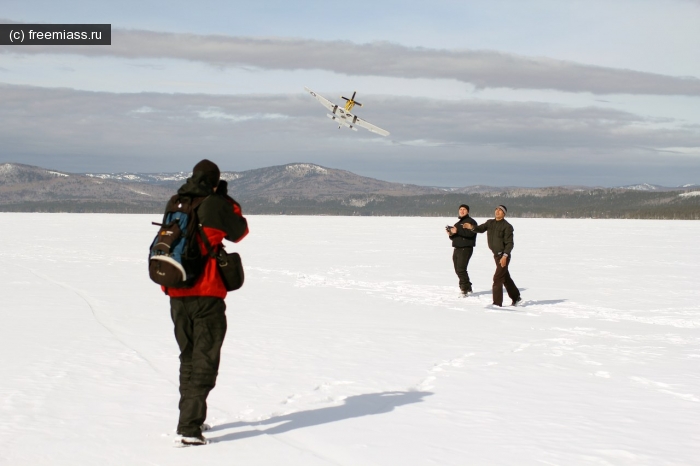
(342, 115)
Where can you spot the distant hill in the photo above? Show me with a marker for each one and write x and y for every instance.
(292, 180)
(24, 188)
(653, 187)
(309, 189)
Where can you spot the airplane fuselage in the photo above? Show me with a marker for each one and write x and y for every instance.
(342, 118)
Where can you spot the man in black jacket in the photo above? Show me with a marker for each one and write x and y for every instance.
(500, 239)
(199, 312)
(463, 240)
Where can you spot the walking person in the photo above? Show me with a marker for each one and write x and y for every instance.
(199, 312)
(500, 239)
(463, 242)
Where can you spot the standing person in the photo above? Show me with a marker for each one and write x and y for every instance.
(500, 239)
(463, 242)
(199, 312)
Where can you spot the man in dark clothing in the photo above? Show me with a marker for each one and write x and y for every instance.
(463, 242)
(199, 312)
(500, 239)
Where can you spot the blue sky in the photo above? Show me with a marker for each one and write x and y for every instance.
(532, 93)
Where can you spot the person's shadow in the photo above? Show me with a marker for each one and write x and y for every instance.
(544, 301)
(355, 406)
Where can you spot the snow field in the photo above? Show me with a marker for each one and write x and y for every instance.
(348, 346)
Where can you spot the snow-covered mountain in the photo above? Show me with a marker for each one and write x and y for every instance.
(29, 188)
(642, 187)
(151, 178)
(310, 189)
(654, 187)
(16, 173)
(305, 180)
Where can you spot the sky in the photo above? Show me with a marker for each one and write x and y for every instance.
(502, 93)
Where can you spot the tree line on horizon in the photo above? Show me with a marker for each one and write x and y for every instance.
(602, 203)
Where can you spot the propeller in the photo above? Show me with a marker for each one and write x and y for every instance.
(352, 99)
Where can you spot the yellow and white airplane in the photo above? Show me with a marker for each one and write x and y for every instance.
(342, 115)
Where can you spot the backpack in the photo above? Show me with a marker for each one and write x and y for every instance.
(175, 259)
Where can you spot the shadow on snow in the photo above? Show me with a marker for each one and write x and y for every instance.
(543, 301)
(355, 406)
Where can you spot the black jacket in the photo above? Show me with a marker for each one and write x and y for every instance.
(500, 235)
(464, 238)
(218, 210)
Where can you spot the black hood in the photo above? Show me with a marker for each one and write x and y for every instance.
(196, 186)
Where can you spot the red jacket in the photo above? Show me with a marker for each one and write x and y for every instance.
(219, 220)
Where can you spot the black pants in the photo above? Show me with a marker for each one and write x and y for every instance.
(200, 328)
(460, 259)
(502, 278)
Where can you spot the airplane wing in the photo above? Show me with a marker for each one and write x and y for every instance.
(325, 102)
(369, 126)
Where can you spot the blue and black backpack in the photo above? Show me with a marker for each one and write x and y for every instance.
(175, 259)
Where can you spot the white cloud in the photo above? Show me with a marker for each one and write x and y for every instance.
(422, 143)
(218, 114)
(483, 69)
(144, 109)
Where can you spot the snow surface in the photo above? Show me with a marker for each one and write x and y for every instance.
(349, 346)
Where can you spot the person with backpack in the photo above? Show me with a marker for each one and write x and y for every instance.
(500, 239)
(198, 311)
(463, 242)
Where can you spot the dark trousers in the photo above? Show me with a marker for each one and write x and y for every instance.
(502, 278)
(200, 328)
(460, 259)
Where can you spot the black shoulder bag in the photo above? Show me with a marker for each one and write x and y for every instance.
(230, 265)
